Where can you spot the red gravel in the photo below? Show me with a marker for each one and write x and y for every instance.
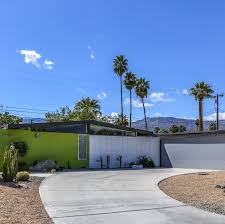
(21, 205)
(197, 190)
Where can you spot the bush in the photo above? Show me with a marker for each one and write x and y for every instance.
(22, 176)
(147, 162)
(22, 166)
(21, 147)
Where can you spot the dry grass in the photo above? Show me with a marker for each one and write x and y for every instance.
(20, 205)
(197, 190)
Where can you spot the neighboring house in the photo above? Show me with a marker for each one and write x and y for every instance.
(81, 144)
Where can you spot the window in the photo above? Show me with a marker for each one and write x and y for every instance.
(82, 147)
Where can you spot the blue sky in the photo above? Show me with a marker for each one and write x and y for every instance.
(55, 52)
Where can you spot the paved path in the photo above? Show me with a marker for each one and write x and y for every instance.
(118, 197)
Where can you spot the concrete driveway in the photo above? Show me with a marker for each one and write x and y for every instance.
(118, 197)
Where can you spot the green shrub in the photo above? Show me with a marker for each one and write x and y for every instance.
(22, 166)
(21, 147)
(22, 176)
(147, 162)
(10, 164)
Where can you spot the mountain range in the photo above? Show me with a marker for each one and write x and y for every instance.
(161, 122)
(166, 122)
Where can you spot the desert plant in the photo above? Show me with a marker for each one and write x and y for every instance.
(146, 161)
(22, 176)
(22, 166)
(10, 164)
(21, 147)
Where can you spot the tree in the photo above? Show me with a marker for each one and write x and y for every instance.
(7, 118)
(201, 91)
(157, 129)
(130, 82)
(163, 131)
(63, 114)
(141, 89)
(212, 127)
(119, 120)
(87, 109)
(120, 65)
(197, 124)
(177, 129)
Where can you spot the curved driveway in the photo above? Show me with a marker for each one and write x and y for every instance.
(118, 197)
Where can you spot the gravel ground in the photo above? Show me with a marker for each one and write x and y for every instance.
(22, 205)
(197, 190)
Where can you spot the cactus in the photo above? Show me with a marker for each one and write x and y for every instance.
(10, 164)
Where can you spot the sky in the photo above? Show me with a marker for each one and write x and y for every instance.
(53, 53)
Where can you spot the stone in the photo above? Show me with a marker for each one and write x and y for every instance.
(23, 185)
(44, 165)
(53, 170)
(221, 186)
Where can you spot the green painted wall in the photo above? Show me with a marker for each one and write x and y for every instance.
(61, 147)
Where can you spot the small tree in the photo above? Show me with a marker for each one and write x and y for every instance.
(177, 128)
(212, 127)
(10, 164)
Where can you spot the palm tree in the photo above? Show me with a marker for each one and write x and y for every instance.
(141, 89)
(121, 121)
(130, 82)
(201, 91)
(197, 123)
(120, 64)
(87, 109)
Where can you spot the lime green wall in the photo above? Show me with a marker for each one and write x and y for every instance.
(62, 147)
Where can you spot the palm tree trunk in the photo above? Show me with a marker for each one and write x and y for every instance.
(130, 108)
(146, 125)
(200, 115)
(121, 97)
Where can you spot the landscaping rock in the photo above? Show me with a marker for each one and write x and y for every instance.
(23, 185)
(221, 186)
(53, 170)
(47, 165)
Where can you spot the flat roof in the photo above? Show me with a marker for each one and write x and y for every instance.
(83, 122)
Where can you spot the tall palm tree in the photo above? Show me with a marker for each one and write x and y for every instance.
(201, 91)
(120, 65)
(141, 89)
(130, 82)
(87, 109)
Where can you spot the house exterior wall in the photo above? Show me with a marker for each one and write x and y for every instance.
(193, 151)
(128, 147)
(61, 147)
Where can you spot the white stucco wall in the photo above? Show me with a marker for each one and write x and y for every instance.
(205, 156)
(128, 147)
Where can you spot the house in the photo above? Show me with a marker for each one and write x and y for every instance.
(82, 144)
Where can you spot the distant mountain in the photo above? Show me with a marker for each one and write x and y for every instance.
(166, 122)
(27, 120)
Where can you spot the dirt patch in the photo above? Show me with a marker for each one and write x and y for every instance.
(197, 190)
(22, 205)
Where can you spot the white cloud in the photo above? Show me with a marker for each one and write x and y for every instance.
(160, 97)
(48, 64)
(137, 103)
(30, 56)
(82, 91)
(158, 115)
(102, 95)
(33, 57)
(212, 117)
(114, 114)
(91, 52)
(185, 92)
